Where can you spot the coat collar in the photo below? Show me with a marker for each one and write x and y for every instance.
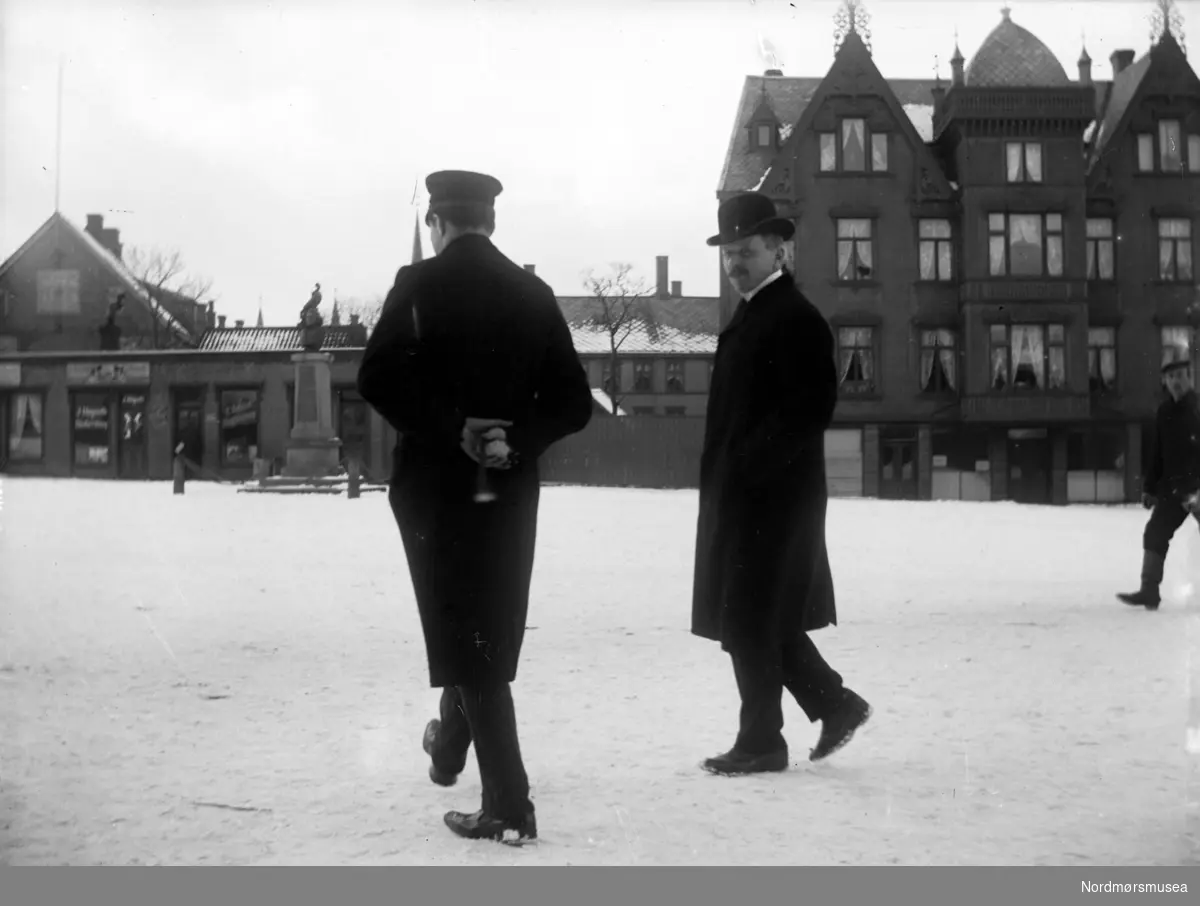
(772, 288)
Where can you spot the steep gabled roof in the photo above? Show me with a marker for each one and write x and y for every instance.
(112, 263)
(789, 97)
(905, 112)
(1117, 102)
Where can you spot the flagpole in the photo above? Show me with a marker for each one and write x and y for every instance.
(58, 140)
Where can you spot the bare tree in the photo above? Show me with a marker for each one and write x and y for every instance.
(161, 271)
(622, 305)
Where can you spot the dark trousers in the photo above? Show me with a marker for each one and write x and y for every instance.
(797, 666)
(485, 715)
(1165, 520)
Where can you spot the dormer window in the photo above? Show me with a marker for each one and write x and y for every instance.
(854, 149)
(765, 136)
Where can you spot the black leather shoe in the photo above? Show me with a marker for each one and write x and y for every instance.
(441, 778)
(734, 763)
(481, 826)
(838, 728)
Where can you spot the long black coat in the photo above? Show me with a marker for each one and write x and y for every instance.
(762, 570)
(488, 341)
(1175, 466)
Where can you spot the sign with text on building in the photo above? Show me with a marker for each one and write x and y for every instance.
(58, 292)
(10, 374)
(108, 373)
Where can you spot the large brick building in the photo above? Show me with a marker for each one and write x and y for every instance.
(1005, 259)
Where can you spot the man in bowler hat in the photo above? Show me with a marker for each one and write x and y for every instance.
(1173, 478)
(762, 577)
(472, 363)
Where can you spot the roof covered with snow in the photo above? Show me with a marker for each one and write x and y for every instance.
(679, 325)
(277, 339)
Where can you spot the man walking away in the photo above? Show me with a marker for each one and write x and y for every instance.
(1172, 480)
(762, 577)
(472, 363)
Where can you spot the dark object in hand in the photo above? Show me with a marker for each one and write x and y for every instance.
(1149, 501)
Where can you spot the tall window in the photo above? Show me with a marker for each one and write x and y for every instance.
(1024, 161)
(1100, 250)
(1175, 249)
(1028, 356)
(25, 427)
(853, 149)
(239, 427)
(1145, 153)
(643, 377)
(764, 136)
(1170, 152)
(938, 361)
(675, 376)
(936, 254)
(856, 359)
(879, 152)
(1176, 344)
(1102, 359)
(855, 258)
(1025, 245)
(1193, 148)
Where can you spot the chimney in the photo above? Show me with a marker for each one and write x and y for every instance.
(529, 267)
(239, 324)
(662, 276)
(1121, 60)
(109, 239)
(212, 317)
(221, 321)
(353, 320)
(677, 289)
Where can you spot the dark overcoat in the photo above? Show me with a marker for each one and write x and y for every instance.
(470, 333)
(762, 570)
(1174, 470)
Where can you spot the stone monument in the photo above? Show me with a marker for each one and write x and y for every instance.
(312, 450)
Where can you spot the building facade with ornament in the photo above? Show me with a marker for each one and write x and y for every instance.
(1006, 258)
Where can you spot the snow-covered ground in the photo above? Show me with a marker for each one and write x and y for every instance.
(162, 656)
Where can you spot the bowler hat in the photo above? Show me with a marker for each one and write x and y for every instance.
(749, 214)
(461, 186)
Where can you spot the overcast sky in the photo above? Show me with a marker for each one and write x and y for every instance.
(278, 144)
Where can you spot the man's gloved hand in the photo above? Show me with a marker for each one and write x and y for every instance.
(484, 440)
(1149, 501)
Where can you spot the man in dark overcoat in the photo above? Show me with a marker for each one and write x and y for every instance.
(473, 364)
(1171, 480)
(762, 577)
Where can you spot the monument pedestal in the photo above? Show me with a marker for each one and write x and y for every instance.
(312, 450)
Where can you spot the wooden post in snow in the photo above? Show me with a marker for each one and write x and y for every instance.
(355, 477)
(179, 470)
